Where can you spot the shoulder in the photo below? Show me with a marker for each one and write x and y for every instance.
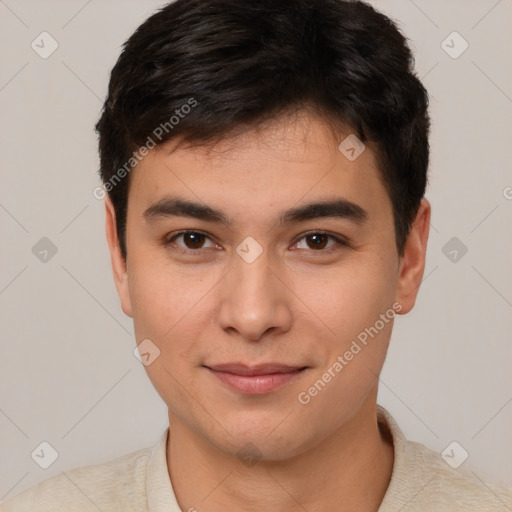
(455, 489)
(118, 484)
(423, 481)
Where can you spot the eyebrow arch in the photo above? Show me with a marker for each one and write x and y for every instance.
(174, 206)
(335, 208)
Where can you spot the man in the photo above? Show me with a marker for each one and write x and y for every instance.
(265, 167)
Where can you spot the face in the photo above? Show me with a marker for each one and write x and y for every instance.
(265, 272)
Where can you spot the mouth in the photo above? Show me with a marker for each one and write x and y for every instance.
(256, 380)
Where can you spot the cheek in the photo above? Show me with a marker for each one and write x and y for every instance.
(153, 302)
(349, 298)
(160, 295)
(167, 309)
(350, 302)
(171, 307)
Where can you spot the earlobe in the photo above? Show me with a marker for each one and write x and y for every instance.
(119, 266)
(412, 262)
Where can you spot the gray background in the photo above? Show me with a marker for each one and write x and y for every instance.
(68, 373)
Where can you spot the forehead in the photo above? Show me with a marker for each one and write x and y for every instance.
(281, 163)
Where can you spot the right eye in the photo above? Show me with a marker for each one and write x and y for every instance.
(192, 241)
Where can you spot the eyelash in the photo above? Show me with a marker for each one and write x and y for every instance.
(340, 242)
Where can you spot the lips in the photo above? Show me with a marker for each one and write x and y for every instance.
(256, 379)
(261, 369)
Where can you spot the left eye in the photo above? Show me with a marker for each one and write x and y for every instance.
(318, 241)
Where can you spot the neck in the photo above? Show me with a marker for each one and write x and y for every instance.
(349, 470)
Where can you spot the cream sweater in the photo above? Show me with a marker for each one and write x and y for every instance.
(139, 482)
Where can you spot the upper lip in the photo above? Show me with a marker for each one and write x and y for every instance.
(259, 369)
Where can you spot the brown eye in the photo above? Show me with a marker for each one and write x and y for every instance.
(193, 241)
(319, 242)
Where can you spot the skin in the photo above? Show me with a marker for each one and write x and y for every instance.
(295, 304)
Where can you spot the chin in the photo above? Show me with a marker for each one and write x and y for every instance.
(267, 440)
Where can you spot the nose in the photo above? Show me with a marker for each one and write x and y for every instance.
(255, 302)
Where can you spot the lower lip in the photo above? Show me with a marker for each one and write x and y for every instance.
(256, 384)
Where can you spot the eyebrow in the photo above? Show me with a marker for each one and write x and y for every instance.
(334, 208)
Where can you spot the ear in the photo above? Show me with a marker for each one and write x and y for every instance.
(412, 262)
(118, 263)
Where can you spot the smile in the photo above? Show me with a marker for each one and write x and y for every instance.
(256, 380)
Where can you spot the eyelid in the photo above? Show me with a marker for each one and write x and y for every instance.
(340, 240)
(170, 238)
